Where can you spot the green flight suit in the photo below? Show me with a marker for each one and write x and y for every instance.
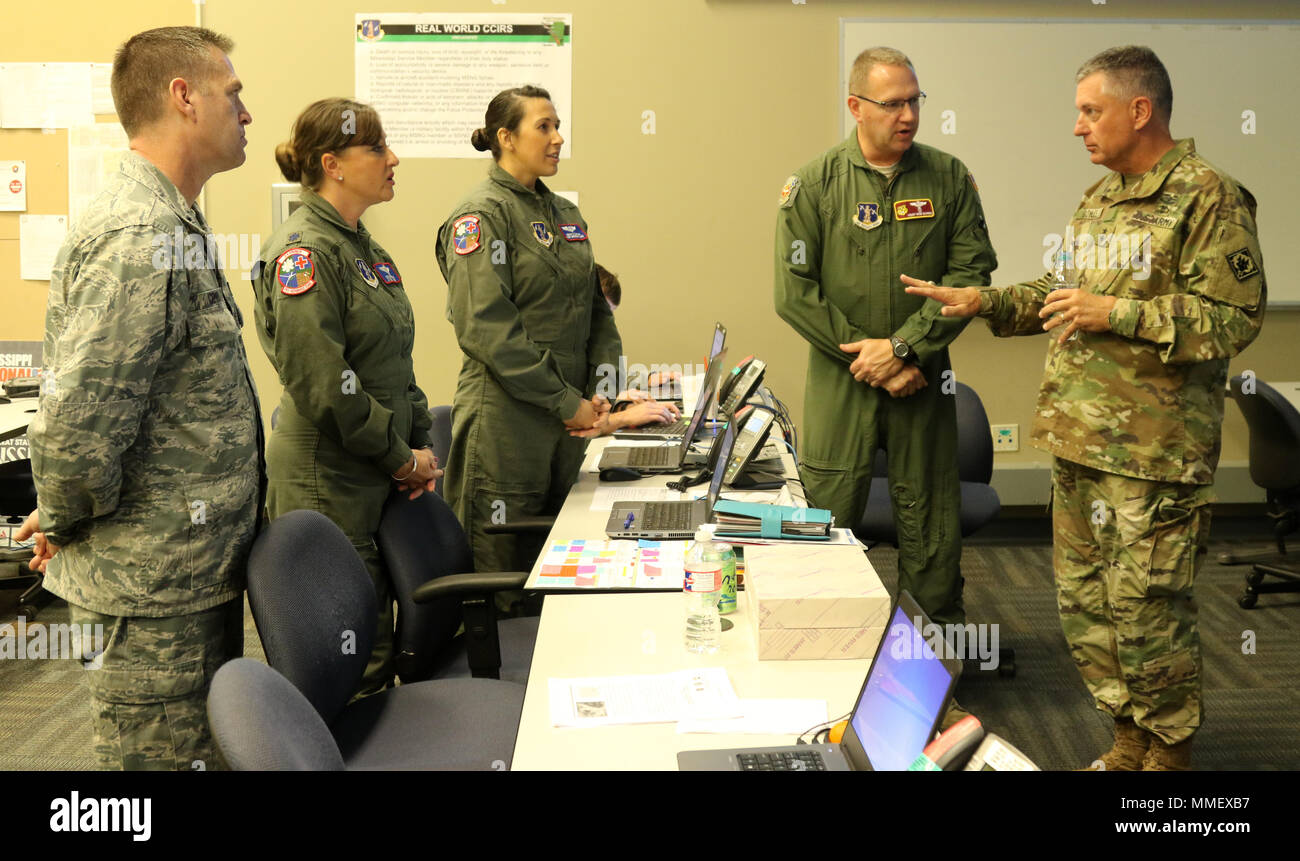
(537, 334)
(844, 234)
(333, 317)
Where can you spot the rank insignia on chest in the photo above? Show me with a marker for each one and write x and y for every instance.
(466, 234)
(367, 274)
(906, 210)
(1243, 265)
(295, 271)
(573, 233)
(543, 235)
(387, 273)
(868, 216)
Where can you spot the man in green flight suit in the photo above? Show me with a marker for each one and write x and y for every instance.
(850, 222)
(1169, 285)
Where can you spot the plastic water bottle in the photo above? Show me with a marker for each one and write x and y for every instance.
(703, 586)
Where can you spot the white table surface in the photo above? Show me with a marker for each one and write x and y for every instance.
(15, 416)
(629, 634)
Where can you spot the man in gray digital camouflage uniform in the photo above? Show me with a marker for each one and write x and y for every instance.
(1171, 286)
(147, 447)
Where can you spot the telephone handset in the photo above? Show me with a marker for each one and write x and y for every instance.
(753, 426)
(741, 384)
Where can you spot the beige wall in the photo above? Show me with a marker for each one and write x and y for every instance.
(744, 92)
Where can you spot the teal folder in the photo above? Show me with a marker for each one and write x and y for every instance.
(748, 519)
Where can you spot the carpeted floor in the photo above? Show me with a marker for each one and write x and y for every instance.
(1252, 701)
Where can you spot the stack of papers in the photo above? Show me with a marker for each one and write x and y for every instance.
(771, 521)
(703, 694)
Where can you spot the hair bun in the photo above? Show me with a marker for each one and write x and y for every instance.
(480, 140)
(288, 162)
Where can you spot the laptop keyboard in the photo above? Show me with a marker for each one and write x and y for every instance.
(653, 456)
(677, 428)
(803, 760)
(667, 515)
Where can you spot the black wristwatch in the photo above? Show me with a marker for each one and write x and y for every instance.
(903, 350)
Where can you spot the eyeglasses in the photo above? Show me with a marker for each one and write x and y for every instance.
(893, 106)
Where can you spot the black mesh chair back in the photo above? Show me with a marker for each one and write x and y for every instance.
(421, 540)
(1274, 434)
(315, 607)
(440, 438)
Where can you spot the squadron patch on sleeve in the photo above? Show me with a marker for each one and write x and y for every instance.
(387, 273)
(367, 274)
(573, 233)
(789, 191)
(466, 234)
(1243, 265)
(295, 271)
(905, 210)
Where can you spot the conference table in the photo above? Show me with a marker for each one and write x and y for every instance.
(600, 634)
(15, 416)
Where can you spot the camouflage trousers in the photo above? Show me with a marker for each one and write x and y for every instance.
(148, 699)
(1125, 554)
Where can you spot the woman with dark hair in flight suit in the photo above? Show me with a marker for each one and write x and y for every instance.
(535, 328)
(333, 317)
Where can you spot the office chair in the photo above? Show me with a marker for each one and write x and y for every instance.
(430, 562)
(1274, 426)
(979, 501)
(18, 497)
(315, 611)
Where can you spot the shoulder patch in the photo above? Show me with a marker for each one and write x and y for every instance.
(1242, 263)
(789, 191)
(387, 273)
(367, 274)
(466, 234)
(573, 233)
(294, 237)
(295, 271)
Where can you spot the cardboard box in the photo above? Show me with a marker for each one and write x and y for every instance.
(814, 602)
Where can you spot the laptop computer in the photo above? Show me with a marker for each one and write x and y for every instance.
(901, 705)
(671, 520)
(678, 428)
(670, 457)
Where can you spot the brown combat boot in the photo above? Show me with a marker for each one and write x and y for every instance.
(1168, 757)
(1131, 743)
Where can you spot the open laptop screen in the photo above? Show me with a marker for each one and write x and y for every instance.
(723, 448)
(904, 696)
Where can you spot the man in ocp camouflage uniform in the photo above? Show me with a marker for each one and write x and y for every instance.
(1171, 286)
(147, 447)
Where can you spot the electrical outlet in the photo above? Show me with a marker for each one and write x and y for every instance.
(1006, 437)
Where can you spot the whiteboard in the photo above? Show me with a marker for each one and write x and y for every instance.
(1000, 97)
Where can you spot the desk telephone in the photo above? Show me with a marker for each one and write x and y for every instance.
(741, 384)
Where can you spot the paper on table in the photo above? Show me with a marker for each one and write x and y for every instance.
(39, 240)
(605, 497)
(13, 186)
(838, 536)
(603, 563)
(704, 693)
(765, 717)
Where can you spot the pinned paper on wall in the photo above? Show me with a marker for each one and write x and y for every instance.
(39, 240)
(45, 95)
(13, 186)
(94, 152)
(101, 90)
(431, 75)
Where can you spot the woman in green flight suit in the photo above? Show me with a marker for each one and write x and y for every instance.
(334, 319)
(535, 329)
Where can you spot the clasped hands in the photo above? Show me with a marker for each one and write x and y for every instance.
(424, 476)
(877, 365)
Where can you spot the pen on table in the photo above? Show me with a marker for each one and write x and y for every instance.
(631, 515)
